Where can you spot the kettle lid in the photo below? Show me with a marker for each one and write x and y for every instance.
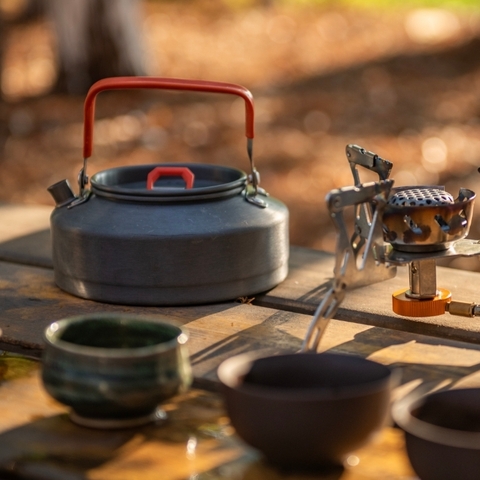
(157, 182)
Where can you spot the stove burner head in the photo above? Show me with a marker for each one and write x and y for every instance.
(426, 219)
(416, 197)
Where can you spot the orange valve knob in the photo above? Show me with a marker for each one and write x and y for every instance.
(412, 307)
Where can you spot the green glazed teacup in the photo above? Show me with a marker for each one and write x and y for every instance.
(114, 370)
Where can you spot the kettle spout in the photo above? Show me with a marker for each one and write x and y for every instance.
(62, 193)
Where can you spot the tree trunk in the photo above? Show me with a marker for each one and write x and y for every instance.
(96, 39)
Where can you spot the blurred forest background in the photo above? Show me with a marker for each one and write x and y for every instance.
(400, 78)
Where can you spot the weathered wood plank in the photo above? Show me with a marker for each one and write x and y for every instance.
(29, 302)
(33, 249)
(39, 441)
(25, 234)
(309, 277)
(310, 272)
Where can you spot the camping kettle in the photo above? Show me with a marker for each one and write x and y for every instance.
(167, 234)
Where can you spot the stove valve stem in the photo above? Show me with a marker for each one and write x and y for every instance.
(463, 309)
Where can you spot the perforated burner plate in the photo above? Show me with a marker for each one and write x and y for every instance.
(416, 197)
(426, 218)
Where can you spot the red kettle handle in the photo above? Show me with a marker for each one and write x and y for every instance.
(122, 83)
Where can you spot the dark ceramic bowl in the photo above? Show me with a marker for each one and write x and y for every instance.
(114, 370)
(305, 410)
(442, 433)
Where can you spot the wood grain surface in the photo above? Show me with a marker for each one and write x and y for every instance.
(309, 278)
(25, 234)
(39, 441)
(25, 239)
(29, 302)
(195, 441)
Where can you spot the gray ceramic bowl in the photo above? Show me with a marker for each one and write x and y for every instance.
(442, 433)
(305, 410)
(114, 370)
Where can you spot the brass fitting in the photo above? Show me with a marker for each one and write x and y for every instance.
(463, 309)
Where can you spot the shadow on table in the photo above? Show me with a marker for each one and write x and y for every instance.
(409, 345)
(33, 249)
(315, 295)
(194, 441)
(269, 337)
(278, 334)
(53, 447)
(247, 468)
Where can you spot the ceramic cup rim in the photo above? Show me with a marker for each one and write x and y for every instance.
(55, 329)
(402, 413)
(231, 370)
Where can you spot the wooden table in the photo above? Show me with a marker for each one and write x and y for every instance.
(197, 442)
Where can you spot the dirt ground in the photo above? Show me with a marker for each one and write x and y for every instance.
(404, 84)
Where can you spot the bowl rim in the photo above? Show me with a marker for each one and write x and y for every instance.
(403, 417)
(241, 363)
(52, 341)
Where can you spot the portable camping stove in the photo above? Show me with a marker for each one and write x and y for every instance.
(392, 227)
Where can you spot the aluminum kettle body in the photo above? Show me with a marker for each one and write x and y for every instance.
(175, 254)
